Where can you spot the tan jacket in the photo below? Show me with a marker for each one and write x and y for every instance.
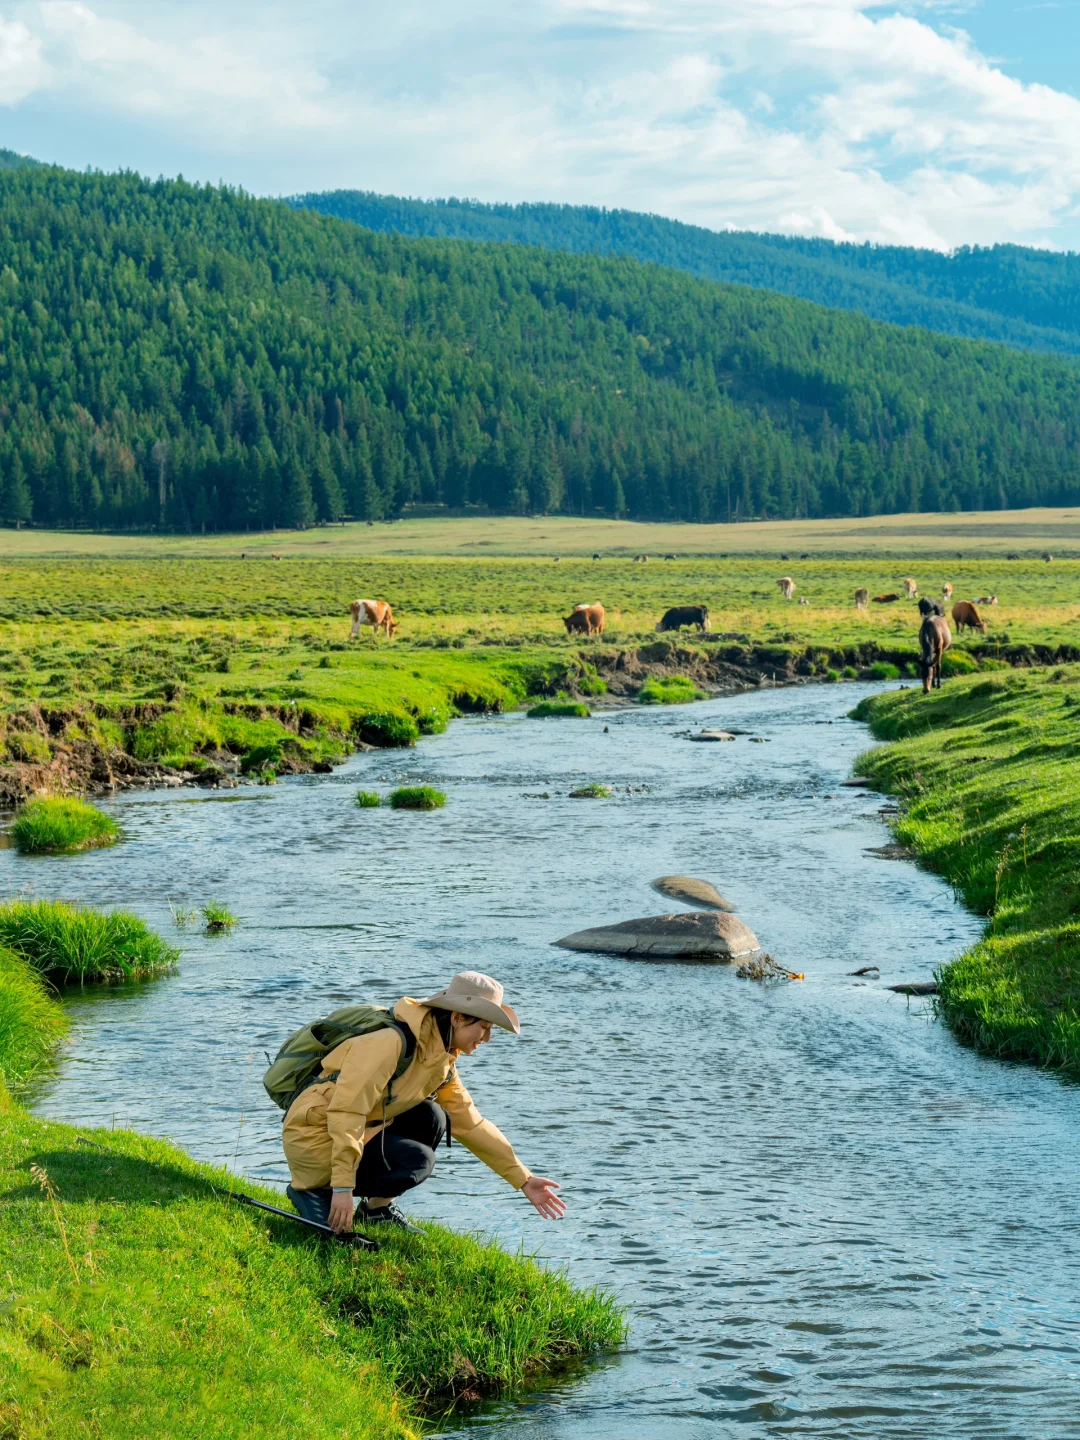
(329, 1123)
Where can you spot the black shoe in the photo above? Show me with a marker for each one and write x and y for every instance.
(389, 1215)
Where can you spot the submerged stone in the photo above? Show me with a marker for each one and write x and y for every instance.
(712, 735)
(692, 892)
(696, 935)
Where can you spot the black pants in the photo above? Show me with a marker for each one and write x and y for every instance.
(398, 1159)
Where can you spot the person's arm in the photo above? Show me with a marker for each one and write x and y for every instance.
(489, 1144)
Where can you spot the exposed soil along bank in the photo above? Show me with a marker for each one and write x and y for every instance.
(987, 770)
(105, 745)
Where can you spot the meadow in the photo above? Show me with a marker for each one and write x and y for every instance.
(175, 660)
(979, 534)
(987, 772)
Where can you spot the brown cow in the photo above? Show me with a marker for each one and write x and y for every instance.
(585, 620)
(787, 587)
(862, 598)
(934, 639)
(965, 616)
(911, 588)
(377, 614)
(885, 599)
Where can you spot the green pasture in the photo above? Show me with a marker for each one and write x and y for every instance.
(979, 534)
(987, 769)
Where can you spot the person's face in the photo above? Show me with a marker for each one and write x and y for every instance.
(469, 1033)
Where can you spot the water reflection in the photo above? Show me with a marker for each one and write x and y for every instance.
(827, 1217)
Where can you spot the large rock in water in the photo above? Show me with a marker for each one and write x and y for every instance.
(698, 935)
(692, 892)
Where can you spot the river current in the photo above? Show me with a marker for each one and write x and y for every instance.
(826, 1217)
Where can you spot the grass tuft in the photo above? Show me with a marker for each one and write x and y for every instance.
(32, 1023)
(670, 690)
(58, 826)
(368, 799)
(417, 797)
(593, 791)
(884, 670)
(73, 945)
(558, 708)
(218, 917)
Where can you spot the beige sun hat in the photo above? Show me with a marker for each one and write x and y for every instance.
(477, 995)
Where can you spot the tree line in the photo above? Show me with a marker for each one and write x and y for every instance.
(187, 357)
(1014, 294)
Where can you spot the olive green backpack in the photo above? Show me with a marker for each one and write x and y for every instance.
(298, 1063)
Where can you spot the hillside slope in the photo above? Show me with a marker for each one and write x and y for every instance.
(186, 357)
(1026, 298)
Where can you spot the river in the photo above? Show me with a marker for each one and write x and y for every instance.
(827, 1218)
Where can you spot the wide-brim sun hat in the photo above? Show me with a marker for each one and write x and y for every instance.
(479, 996)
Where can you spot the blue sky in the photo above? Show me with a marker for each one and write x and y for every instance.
(924, 123)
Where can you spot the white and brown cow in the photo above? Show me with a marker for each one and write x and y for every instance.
(911, 588)
(787, 587)
(377, 614)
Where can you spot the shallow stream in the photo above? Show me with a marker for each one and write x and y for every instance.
(827, 1218)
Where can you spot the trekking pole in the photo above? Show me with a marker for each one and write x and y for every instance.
(346, 1238)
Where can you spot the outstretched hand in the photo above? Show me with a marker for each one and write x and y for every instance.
(540, 1193)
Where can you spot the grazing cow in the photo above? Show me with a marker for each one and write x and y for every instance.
(585, 620)
(946, 591)
(985, 600)
(377, 614)
(805, 556)
(680, 615)
(889, 599)
(555, 559)
(862, 598)
(596, 556)
(669, 557)
(1048, 557)
(966, 617)
(275, 557)
(787, 587)
(642, 559)
(911, 588)
(934, 639)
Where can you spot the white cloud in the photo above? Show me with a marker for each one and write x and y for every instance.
(22, 65)
(831, 117)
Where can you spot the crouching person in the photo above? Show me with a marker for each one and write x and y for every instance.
(371, 1121)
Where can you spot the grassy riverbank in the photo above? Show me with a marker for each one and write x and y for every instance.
(987, 770)
(122, 670)
(140, 1299)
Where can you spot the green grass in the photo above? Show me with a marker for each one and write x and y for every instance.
(218, 917)
(988, 774)
(556, 708)
(32, 1024)
(883, 670)
(417, 797)
(70, 944)
(143, 1303)
(368, 799)
(58, 826)
(593, 791)
(670, 690)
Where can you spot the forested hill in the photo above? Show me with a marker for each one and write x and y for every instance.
(1019, 296)
(180, 356)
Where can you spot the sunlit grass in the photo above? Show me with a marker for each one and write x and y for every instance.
(54, 826)
(987, 769)
(73, 944)
(32, 1023)
(417, 797)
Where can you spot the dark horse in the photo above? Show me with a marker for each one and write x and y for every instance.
(935, 637)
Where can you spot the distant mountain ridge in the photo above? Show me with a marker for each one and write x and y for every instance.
(1018, 296)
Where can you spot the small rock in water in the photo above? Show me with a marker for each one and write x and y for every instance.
(866, 970)
(758, 740)
(699, 935)
(857, 782)
(919, 988)
(764, 967)
(890, 852)
(712, 735)
(692, 892)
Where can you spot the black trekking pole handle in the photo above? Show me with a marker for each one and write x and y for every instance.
(345, 1237)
